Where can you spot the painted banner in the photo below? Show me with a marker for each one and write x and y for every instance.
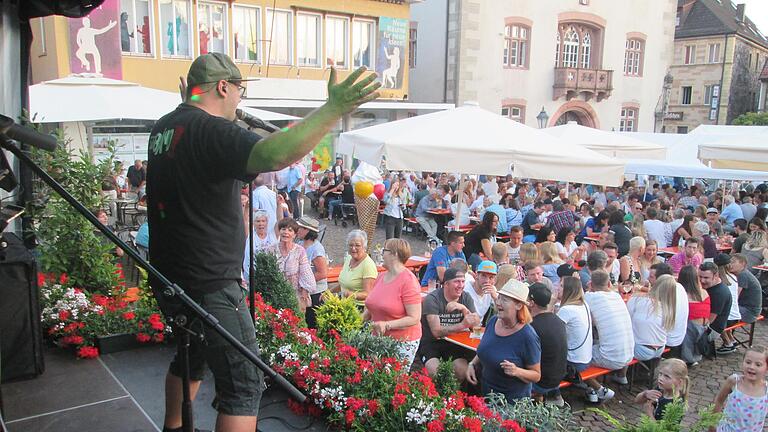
(392, 44)
(322, 156)
(94, 42)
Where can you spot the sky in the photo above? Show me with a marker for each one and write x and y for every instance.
(757, 11)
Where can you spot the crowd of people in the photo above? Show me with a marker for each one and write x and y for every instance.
(560, 278)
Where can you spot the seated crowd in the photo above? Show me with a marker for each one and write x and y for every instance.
(578, 284)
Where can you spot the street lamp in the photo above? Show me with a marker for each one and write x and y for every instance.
(543, 118)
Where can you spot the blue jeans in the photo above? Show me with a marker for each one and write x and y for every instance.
(332, 204)
(644, 353)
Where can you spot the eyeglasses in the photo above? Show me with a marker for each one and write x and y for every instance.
(387, 250)
(240, 87)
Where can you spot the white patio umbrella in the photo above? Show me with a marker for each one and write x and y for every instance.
(608, 143)
(471, 140)
(75, 99)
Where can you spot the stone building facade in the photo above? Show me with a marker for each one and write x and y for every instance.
(576, 60)
(719, 54)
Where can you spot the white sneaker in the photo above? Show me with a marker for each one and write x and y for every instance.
(555, 400)
(592, 396)
(605, 393)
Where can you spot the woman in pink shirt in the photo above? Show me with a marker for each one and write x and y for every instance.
(394, 305)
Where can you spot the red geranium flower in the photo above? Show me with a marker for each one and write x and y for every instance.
(143, 337)
(435, 426)
(512, 425)
(88, 352)
(157, 325)
(159, 337)
(128, 316)
(398, 400)
(40, 279)
(63, 279)
(472, 424)
(64, 315)
(72, 340)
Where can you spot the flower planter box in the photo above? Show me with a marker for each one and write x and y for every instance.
(116, 343)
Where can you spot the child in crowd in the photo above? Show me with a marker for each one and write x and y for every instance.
(672, 384)
(743, 399)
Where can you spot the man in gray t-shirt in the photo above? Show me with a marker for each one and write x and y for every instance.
(445, 311)
(750, 292)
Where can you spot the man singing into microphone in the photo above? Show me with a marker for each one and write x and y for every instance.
(198, 159)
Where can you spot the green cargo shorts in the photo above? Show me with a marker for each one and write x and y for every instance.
(239, 383)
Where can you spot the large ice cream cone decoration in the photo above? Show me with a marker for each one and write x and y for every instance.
(367, 213)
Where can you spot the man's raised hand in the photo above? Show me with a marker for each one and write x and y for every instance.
(347, 95)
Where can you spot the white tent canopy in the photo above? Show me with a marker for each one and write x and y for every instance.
(608, 143)
(75, 99)
(471, 140)
(736, 147)
(682, 160)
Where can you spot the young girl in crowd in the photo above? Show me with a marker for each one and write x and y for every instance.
(743, 399)
(672, 384)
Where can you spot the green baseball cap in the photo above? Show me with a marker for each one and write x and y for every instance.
(213, 67)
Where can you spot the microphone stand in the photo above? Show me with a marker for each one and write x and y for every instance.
(169, 289)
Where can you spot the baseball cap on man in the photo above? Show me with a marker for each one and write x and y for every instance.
(211, 68)
(566, 270)
(712, 210)
(487, 267)
(540, 294)
(451, 274)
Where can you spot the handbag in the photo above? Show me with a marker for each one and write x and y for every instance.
(705, 344)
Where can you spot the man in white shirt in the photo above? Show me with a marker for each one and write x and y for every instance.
(747, 208)
(612, 266)
(483, 289)
(490, 187)
(615, 342)
(265, 199)
(654, 228)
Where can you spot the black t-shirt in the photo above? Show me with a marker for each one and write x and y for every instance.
(621, 236)
(197, 163)
(135, 176)
(348, 194)
(720, 304)
(530, 219)
(472, 240)
(554, 348)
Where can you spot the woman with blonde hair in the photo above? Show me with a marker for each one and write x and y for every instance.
(653, 316)
(551, 259)
(756, 248)
(528, 253)
(629, 264)
(648, 258)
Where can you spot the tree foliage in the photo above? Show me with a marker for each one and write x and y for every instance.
(752, 119)
(270, 282)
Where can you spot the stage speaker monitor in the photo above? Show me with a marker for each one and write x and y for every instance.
(21, 341)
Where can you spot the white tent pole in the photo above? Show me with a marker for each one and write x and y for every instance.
(460, 200)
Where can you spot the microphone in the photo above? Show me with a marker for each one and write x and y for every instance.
(255, 122)
(27, 135)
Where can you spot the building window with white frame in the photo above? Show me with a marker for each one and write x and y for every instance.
(628, 121)
(514, 112)
(516, 45)
(246, 26)
(279, 37)
(308, 39)
(571, 49)
(586, 50)
(363, 43)
(575, 43)
(212, 27)
(633, 57)
(690, 54)
(175, 23)
(337, 41)
(714, 53)
(136, 29)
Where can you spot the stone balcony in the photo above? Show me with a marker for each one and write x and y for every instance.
(591, 83)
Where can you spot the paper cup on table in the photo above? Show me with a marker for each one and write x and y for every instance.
(367, 213)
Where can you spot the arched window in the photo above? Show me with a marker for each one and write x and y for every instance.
(578, 45)
(586, 50)
(571, 48)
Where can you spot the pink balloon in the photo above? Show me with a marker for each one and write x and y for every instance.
(378, 190)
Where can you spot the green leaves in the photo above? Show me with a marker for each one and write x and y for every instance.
(270, 282)
(340, 314)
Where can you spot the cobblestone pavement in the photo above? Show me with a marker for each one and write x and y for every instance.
(706, 378)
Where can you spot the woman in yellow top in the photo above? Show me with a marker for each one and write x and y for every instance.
(359, 272)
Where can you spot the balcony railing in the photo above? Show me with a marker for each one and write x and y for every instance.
(571, 82)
